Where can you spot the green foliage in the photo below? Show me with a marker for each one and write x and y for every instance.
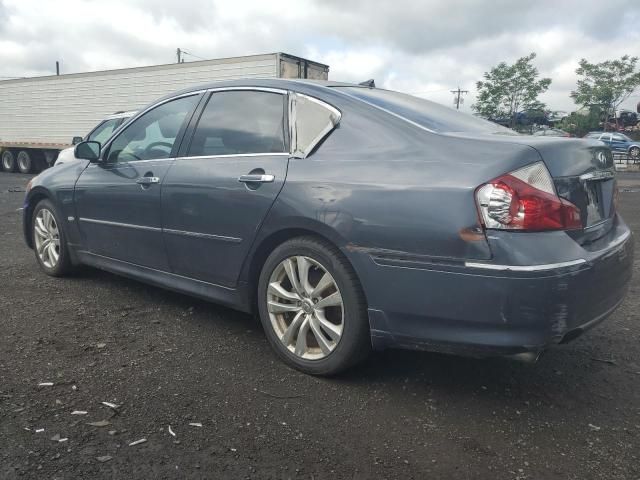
(508, 89)
(579, 124)
(606, 84)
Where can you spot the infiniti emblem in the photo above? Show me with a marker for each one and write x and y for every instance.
(602, 159)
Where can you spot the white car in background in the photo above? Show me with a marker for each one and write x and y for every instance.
(100, 133)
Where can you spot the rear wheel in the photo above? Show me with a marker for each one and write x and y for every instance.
(312, 307)
(25, 162)
(49, 240)
(8, 161)
(634, 153)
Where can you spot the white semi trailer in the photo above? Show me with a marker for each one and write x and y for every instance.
(39, 116)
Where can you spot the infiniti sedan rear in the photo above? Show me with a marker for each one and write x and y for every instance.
(347, 218)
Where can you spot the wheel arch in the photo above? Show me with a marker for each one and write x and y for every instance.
(265, 245)
(34, 197)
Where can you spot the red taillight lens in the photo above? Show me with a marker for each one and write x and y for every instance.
(525, 200)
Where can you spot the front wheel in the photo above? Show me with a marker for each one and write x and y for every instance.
(49, 241)
(312, 307)
(634, 153)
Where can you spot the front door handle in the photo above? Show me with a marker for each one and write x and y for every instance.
(147, 180)
(256, 178)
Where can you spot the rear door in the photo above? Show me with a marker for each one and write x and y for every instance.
(220, 189)
(118, 200)
(618, 142)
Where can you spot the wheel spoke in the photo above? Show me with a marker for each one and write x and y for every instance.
(290, 269)
(303, 270)
(53, 255)
(293, 328)
(333, 300)
(333, 330)
(275, 307)
(325, 282)
(41, 226)
(43, 245)
(301, 342)
(320, 338)
(279, 291)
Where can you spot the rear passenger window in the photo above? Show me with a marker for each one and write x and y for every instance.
(314, 120)
(240, 122)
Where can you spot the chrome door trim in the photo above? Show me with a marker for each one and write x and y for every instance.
(525, 268)
(256, 178)
(118, 224)
(207, 236)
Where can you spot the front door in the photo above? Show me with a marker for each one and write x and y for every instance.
(118, 199)
(216, 196)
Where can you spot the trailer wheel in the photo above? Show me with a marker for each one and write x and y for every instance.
(25, 162)
(8, 161)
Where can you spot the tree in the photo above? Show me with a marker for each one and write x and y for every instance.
(508, 89)
(606, 85)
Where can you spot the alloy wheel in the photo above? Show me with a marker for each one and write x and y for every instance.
(47, 238)
(305, 307)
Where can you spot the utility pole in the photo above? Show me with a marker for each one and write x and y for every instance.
(57, 67)
(457, 100)
(179, 53)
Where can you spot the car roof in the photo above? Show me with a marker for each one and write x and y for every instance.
(126, 114)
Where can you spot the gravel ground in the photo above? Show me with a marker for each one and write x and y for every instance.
(206, 372)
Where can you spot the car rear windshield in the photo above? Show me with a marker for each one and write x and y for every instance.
(425, 113)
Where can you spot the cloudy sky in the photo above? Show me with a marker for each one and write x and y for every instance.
(425, 47)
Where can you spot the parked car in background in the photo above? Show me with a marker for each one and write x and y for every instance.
(348, 218)
(551, 132)
(618, 142)
(100, 133)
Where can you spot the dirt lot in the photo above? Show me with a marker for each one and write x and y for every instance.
(168, 360)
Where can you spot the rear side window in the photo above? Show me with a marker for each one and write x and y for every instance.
(314, 119)
(427, 114)
(240, 122)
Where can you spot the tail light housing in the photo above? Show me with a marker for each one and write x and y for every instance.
(525, 200)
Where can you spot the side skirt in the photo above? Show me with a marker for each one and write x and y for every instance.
(226, 296)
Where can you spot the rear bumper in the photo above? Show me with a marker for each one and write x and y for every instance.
(484, 309)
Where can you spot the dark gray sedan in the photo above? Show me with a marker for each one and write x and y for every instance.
(348, 218)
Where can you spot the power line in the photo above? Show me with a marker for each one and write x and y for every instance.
(181, 53)
(457, 100)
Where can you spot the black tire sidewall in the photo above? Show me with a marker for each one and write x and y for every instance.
(355, 340)
(12, 168)
(30, 166)
(64, 263)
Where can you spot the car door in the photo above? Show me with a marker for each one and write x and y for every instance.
(220, 189)
(618, 142)
(118, 199)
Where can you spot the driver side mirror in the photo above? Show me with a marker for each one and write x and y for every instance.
(76, 140)
(88, 150)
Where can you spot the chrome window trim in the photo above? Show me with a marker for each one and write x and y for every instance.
(293, 123)
(415, 124)
(228, 155)
(525, 268)
(249, 88)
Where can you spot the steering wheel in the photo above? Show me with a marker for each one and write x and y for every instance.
(151, 146)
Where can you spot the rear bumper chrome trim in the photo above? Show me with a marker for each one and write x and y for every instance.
(525, 268)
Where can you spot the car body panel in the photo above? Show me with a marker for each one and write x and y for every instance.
(397, 199)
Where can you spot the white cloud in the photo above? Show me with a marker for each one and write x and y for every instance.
(423, 46)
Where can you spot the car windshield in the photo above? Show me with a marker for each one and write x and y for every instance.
(425, 113)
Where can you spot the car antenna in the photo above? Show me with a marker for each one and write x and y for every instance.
(368, 83)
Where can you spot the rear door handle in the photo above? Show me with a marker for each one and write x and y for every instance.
(147, 180)
(256, 178)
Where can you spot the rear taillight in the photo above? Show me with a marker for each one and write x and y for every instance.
(525, 199)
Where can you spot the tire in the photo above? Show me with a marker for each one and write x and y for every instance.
(634, 153)
(347, 341)
(24, 161)
(8, 161)
(45, 255)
